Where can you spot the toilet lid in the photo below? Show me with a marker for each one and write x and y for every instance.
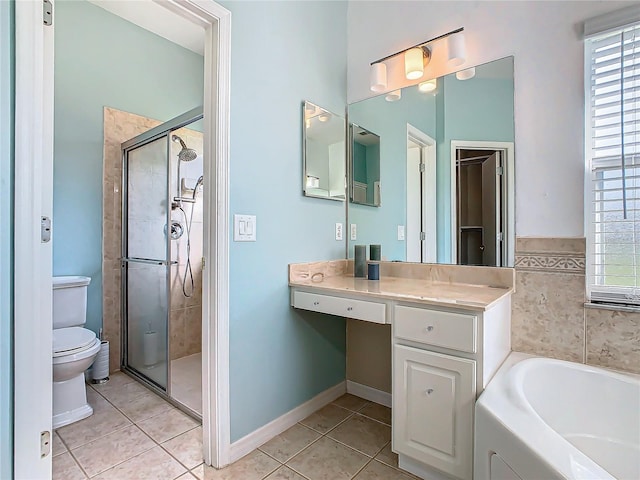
(72, 338)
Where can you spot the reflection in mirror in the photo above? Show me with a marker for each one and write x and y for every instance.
(324, 165)
(365, 167)
(447, 162)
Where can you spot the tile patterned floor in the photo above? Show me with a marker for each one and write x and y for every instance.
(135, 435)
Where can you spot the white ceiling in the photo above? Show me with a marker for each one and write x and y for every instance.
(157, 19)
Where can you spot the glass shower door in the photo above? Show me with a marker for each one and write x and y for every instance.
(146, 259)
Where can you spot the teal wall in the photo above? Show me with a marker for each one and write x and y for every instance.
(281, 54)
(475, 109)
(379, 225)
(103, 60)
(7, 102)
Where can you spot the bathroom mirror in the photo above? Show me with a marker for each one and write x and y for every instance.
(364, 166)
(323, 158)
(446, 160)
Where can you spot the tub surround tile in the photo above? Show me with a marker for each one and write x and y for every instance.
(290, 442)
(551, 255)
(613, 339)
(327, 459)
(154, 464)
(65, 467)
(575, 245)
(111, 450)
(547, 316)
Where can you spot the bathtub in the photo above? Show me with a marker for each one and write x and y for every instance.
(544, 419)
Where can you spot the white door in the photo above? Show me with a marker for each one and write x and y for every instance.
(433, 400)
(33, 254)
(490, 211)
(414, 204)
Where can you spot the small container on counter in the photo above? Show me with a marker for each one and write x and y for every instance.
(373, 270)
(375, 253)
(360, 260)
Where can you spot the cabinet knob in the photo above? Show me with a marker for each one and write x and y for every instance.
(429, 391)
(349, 309)
(316, 303)
(429, 329)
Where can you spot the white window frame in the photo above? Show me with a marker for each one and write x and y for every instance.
(595, 27)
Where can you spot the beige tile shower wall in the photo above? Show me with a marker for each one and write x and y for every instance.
(186, 312)
(548, 315)
(119, 127)
(185, 317)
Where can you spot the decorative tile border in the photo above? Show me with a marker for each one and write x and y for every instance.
(551, 262)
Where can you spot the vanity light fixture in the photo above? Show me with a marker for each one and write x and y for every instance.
(466, 74)
(428, 86)
(417, 57)
(394, 96)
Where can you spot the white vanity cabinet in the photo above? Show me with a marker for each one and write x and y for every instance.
(442, 359)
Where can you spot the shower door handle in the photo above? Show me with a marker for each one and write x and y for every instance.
(149, 261)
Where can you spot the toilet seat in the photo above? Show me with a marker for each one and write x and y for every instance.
(72, 340)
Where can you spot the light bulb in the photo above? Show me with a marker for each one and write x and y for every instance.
(413, 63)
(378, 77)
(393, 96)
(457, 49)
(428, 86)
(466, 74)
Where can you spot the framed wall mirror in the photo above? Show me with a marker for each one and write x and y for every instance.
(364, 166)
(323, 153)
(447, 164)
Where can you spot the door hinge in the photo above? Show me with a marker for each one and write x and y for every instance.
(499, 170)
(204, 262)
(45, 443)
(422, 167)
(45, 229)
(423, 236)
(47, 12)
(500, 236)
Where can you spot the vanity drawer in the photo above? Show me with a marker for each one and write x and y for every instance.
(456, 331)
(344, 307)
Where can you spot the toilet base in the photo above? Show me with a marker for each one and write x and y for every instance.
(70, 401)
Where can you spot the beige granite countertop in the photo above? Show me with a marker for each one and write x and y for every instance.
(331, 277)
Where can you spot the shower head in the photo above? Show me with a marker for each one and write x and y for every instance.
(198, 183)
(186, 154)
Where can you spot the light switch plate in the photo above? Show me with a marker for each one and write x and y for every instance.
(354, 231)
(338, 231)
(244, 228)
(401, 232)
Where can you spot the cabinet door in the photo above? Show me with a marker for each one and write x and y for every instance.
(433, 401)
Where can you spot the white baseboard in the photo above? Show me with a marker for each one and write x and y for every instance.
(250, 442)
(369, 393)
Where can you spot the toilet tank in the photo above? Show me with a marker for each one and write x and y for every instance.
(70, 301)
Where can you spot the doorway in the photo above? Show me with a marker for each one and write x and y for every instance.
(482, 203)
(421, 210)
(33, 187)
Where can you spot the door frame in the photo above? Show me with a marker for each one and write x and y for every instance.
(34, 198)
(507, 149)
(428, 191)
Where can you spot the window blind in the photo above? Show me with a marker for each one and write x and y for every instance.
(613, 160)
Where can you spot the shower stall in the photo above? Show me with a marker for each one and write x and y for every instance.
(162, 240)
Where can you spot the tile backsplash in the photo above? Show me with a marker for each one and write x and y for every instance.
(549, 316)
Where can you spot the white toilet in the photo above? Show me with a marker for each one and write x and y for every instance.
(74, 350)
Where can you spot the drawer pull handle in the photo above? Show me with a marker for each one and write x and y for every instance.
(429, 329)
(429, 391)
(349, 309)
(316, 303)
